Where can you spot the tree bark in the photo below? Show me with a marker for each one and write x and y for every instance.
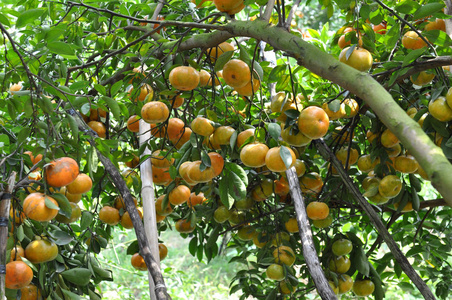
(5, 203)
(310, 254)
(376, 221)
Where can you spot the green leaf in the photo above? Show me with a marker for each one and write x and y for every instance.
(4, 20)
(274, 129)
(193, 246)
(205, 159)
(225, 197)
(4, 141)
(64, 206)
(78, 276)
(272, 294)
(258, 69)
(86, 220)
(113, 105)
(60, 237)
(415, 200)
(101, 89)
(407, 7)
(73, 125)
(116, 87)
(28, 17)
(61, 48)
(238, 170)
(286, 156)
(412, 56)
(277, 73)
(415, 183)
(133, 248)
(335, 105)
(427, 9)
(23, 135)
(222, 60)
(70, 295)
(237, 188)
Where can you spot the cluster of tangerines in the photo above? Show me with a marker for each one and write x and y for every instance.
(339, 263)
(62, 176)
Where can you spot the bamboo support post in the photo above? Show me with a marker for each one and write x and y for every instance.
(5, 203)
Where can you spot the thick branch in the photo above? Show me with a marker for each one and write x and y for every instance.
(375, 219)
(309, 252)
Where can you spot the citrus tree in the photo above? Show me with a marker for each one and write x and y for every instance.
(250, 117)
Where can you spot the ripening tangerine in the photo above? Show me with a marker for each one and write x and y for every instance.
(411, 40)
(313, 122)
(18, 275)
(184, 78)
(61, 172)
(154, 112)
(35, 208)
(317, 210)
(236, 73)
(275, 163)
(253, 155)
(217, 51)
(360, 59)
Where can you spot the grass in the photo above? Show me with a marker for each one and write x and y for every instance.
(186, 278)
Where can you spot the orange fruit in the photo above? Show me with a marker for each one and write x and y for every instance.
(227, 5)
(217, 51)
(222, 135)
(184, 78)
(185, 137)
(437, 24)
(119, 202)
(390, 186)
(250, 88)
(345, 152)
(81, 185)
(133, 123)
(352, 106)
(75, 198)
(236, 73)
(154, 112)
(360, 59)
(34, 160)
(75, 215)
(126, 220)
(311, 183)
(339, 264)
(61, 172)
(294, 139)
(345, 283)
(221, 214)
(341, 42)
(405, 164)
(263, 190)
(161, 176)
(407, 208)
(285, 289)
(35, 208)
(216, 162)
(109, 215)
(163, 251)
(380, 28)
(99, 128)
(15, 87)
(97, 114)
(18, 275)
(145, 91)
(196, 199)
(275, 272)
(411, 40)
(253, 155)
(389, 139)
(317, 210)
(202, 126)
(291, 225)
(159, 208)
(363, 288)
(159, 159)
(179, 195)
(313, 122)
(39, 251)
(184, 226)
(440, 109)
(275, 163)
(300, 167)
(365, 163)
(196, 175)
(137, 261)
(177, 101)
(204, 78)
(17, 253)
(340, 113)
(30, 292)
(284, 255)
(422, 78)
(245, 135)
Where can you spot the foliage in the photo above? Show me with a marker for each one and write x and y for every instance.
(65, 63)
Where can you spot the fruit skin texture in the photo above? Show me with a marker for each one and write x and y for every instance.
(345, 283)
(61, 172)
(39, 251)
(221, 214)
(184, 78)
(179, 195)
(133, 123)
(109, 215)
(360, 59)
(75, 215)
(363, 288)
(411, 40)
(163, 251)
(154, 112)
(339, 264)
(422, 78)
(390, 186)
(342, 247)
(82, 184)
(216, 52)
(35, 208)
(99, 128)
(138, 262)
(30, 292)
(317, 210)
(275, 272)
(184, 226)
(18, 275)
(253, 155)
(274, 162)
(291, 225)
(236, 73)
(284, 255)
(202, 126)
(313, 122)
(440, 109)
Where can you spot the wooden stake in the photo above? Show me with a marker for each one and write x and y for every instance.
(5, 203)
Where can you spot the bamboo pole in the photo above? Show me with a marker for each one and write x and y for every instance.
(148, 197)
(5, 203)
